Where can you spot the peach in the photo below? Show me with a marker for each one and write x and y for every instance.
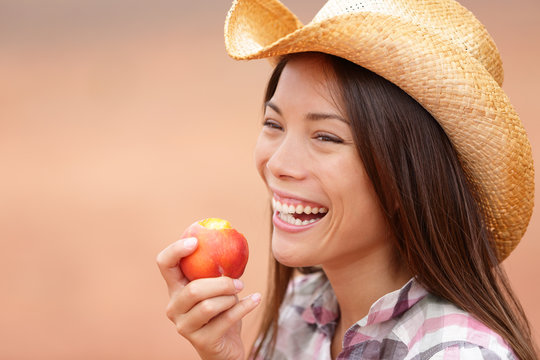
(221, 250)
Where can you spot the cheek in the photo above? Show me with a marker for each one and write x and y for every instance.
(357, 195)
(364, 208)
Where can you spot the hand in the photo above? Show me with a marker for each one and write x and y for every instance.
(206, 312)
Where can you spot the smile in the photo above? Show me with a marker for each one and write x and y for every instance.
(297, 213)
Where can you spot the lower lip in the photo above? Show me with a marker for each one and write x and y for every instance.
(285, 226)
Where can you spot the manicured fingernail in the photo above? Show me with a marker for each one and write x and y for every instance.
(190, 243)
(256, 298)
(238, 284)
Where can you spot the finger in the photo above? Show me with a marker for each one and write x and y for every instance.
(202, 313)
(199, 290)
(223, 322)
(168, 259)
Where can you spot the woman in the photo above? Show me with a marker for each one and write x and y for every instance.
(398, 195)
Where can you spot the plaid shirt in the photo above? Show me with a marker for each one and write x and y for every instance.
(409, 323)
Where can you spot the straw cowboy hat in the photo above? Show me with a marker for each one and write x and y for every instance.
(442, 56)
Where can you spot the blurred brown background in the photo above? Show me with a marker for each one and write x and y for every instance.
(121, 123)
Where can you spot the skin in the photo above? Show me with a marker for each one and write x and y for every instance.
(304, 140)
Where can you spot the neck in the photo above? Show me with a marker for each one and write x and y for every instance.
(359, 283)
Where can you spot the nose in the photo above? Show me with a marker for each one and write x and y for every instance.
(288, 161)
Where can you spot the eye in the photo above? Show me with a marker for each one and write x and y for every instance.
(271, 124)
(328, 138)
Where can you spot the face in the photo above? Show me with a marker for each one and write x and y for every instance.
(325, 208)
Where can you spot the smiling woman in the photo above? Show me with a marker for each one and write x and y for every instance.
(303, 151)
(384, 222)
(397, 190)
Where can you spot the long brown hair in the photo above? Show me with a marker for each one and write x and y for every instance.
(438, 226)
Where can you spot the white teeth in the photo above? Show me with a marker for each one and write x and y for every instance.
(298, 209)
(288, 218)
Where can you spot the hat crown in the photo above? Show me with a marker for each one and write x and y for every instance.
(447, 18)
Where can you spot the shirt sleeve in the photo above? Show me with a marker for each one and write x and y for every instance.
(457, 352)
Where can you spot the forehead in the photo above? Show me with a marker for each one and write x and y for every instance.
(312, 68)
(307, 79)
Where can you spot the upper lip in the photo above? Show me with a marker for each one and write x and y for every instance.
(288, 196)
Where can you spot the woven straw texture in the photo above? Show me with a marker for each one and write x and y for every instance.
(442, 56)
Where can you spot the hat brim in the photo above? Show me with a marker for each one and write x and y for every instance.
(444, 78)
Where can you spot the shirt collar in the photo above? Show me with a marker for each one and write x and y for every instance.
(323, 309)
(394, 304)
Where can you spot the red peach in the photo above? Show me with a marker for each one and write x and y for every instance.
(221, 250)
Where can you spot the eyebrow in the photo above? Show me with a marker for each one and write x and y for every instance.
(309, 116)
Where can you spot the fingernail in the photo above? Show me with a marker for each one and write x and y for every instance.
(190, 243)
(238, 284)
(256, 298)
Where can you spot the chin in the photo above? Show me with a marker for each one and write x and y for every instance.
(290, 257)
